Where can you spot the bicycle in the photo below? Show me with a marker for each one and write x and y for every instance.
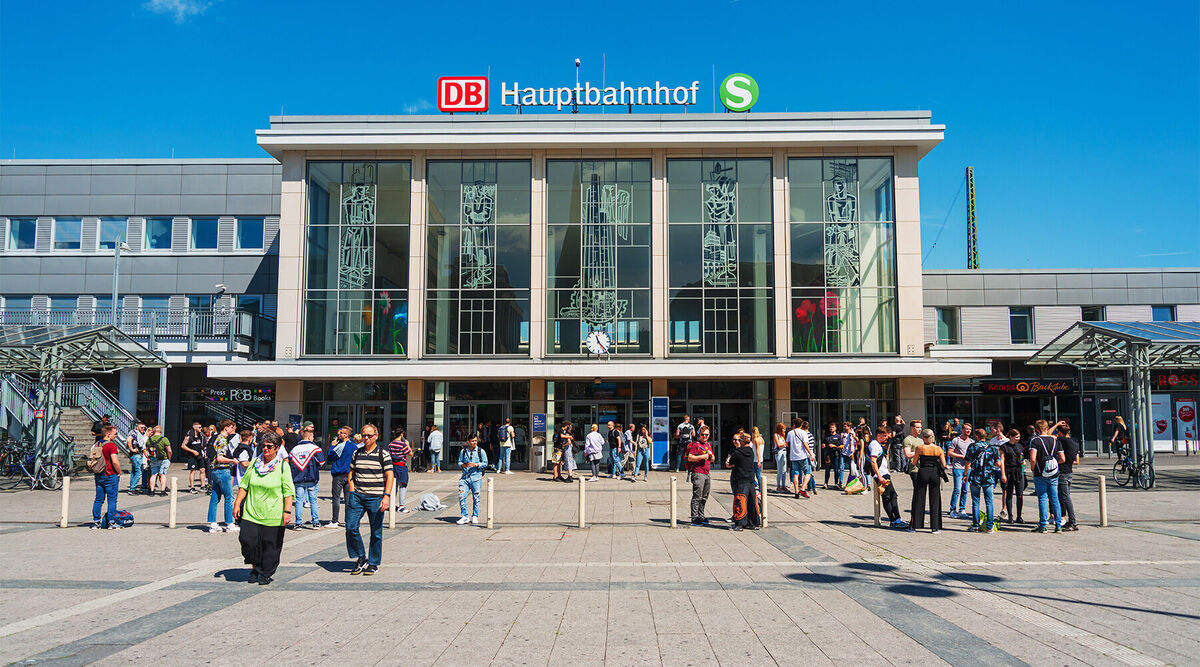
(1125, 470)
(47, 476)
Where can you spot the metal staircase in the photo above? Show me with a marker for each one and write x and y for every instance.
(16, 406)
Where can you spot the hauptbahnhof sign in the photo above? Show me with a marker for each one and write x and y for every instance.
(469, 94)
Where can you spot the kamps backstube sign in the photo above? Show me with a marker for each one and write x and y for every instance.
(738, 93)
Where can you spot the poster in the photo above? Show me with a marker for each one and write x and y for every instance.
(660, 431)
(1185, 423)
(1161, 431)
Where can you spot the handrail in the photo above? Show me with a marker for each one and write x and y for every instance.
(95, 401)
(14, 398)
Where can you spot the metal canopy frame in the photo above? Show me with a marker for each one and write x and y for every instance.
(52, 351)
(1134, 347)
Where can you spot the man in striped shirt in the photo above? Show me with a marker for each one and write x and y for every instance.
(400, 451)
(370, 481)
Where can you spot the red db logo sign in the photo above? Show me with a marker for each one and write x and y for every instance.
(463, 93)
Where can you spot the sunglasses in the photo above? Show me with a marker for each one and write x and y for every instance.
(265, 447)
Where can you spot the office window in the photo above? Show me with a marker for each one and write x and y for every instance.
(204, 234)
(158, 233)
(947, 326)
(252, 303)
(1020, 325)
(249, 233)
(112, 232)
(22, 233)
(1162, 313)
(67, 233)
(200, 301)
(1092, 314)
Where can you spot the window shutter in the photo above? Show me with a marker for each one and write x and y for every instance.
(930, 326)
(226, 227)
(44, 228)
(984, 325)
(89, 235)
(270, 233)
(270, 305)
(177, 302)
(39, 302)
(134, 231)
(3, 233)
(179, 235)
(1128, 313)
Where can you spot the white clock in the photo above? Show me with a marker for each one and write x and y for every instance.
(598, 342)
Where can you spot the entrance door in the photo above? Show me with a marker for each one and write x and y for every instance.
(852, 411)
(355, 415)
(464, 420)
(710, 413)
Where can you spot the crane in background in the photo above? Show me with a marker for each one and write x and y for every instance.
(972, 239)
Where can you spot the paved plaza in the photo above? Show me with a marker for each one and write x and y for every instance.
(820, 585)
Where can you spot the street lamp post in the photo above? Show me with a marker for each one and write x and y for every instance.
(120, 245)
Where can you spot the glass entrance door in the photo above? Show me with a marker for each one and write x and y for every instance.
(710, 413)
(464, 420)
(837, 412)
(355, 415)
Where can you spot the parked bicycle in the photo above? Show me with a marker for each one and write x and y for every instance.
(22, 462)
(1126, 470)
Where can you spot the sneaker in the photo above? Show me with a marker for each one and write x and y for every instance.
(737, 528)
(507, 472)
(1039, 529)
(475, 521)
(313, 526)
(462, 521)
(1004, 514)
(973, 529)
(233, 528)
(253, 578)
(332, 524)
(370, 570)
(593, 479)
(114, 526)
(1073, 527)
(1058, 529)
(96, 526)
(264, 581)
(803, 494)
(403, 510)
(995, 527)
(935, 532)
(359, 565)
(214, 527)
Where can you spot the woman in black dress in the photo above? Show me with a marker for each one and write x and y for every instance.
(930, 463)
(741, 461)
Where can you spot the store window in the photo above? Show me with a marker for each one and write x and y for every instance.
(598, 254)
(947, 326)
(1162, 313)
(204, 234)
(158, 233)
(843, 255)
(249, 233)
(720, 262)
(1091, 313)
(22, 233)
(356, 264)
(477, 263)
(1020, 324)
(67, 233)
(112, 232)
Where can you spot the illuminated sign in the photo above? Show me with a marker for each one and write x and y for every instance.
(1176, 380)
(738, 92)
(1028, 387)
(463, 93)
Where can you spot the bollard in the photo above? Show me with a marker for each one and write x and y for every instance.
(490, 522)
(674, 500)
(174, 501)
(1103, 504)
(392, 506)
(764, 508)
(878, 501)
(66, 502)
(582, 520)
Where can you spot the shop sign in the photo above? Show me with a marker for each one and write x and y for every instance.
(238, 394)
(1028, 387)
(463, 93)
(539, 422)
(1176, 380)
(660, 429)
(738, 92)
(1185, 418)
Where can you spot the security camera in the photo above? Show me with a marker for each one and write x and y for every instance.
(221, 287)
(577, 62)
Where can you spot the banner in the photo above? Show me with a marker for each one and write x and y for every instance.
(660, 431)
(1160, 423)
(1185, 422)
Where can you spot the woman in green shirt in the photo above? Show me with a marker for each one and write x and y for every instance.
(264, 507)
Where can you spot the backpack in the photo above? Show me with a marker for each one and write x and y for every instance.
(122, 518)
(95, 459)
(1050, 465)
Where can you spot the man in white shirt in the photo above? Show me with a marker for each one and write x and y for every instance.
(136, 443)
(507, 438)
(957, 455)
(435, 449)
(799, 457)
(593, 446)
(879, 468)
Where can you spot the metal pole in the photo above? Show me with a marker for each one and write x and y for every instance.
(582, 504)
(162, 397)
(490, 516)
(674, 500)
(1103, 504)
(116, 275)
(66, 501)
(174, 501)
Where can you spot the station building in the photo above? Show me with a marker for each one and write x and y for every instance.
(459, 270)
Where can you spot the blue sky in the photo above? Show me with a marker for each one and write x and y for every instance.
(1082, 120)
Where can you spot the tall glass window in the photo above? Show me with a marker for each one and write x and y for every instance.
(22, 233)
(249, 233)
(477, 265)
(112, 232)
(158, 233)
(356, 268)
(67, 233)
(204, 234)
(720, 256)
(598, 254)
(843, 255)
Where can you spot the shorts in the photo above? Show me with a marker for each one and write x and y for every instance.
(160, 466)
(401, 474)
(801, 467)
(195, 463)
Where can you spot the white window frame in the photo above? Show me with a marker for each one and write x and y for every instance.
(100, 233)
(9, 238)
(54, 235)
(191, 237)
(170, 236)
(237, 234)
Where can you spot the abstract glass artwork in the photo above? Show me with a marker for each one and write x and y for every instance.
(355, 252)
(605, 216)
(477, 249)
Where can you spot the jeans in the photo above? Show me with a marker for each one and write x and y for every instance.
(135, 471)
(700, 488)
(781, 467)
(222, 486)
(758, 476)
(679, 458)
(357, 505)
(846, 462)
(504, 461)
(471, 485)
(643, 454)
(1066, 505)
(340, 489)
(614, 464)
(307, 492)
(1047, 493)
(106, 488)
(989, 500)
(835, 466)
(435, 459)
(958, 493)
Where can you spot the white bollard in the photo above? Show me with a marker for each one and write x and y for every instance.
(674, 500)
(878, 500)
(582, 505)
(764, 507)
(174, 501)
(490, 522)
(1103, 504)
(66, 502)
(392, 505)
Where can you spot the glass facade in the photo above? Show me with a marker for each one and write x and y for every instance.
(478, 258)
(720, 257)
(598, 254)
(843, 255)
(356, 268)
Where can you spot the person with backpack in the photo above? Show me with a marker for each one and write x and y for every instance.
(877, 460)
(685, 433)
(799, 457)
(193, 445)
(370, 493)
(1045, 455)
(243, 453)
(400, 451)
(435, 448)
(263, 508)
(985, 464)
(305, 460)
(158, 448)
(102, 461)
(1070, 449)
(471, 460)
(220, 460)
(956, 451)
(507, 438)
(136, 443)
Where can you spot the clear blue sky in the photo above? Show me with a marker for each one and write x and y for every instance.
(1082, 120)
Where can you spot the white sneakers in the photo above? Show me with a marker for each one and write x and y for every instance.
(593, 479)
(232, 528)
(462, 521)
(214, 527)
(475, 520)
(507, 472)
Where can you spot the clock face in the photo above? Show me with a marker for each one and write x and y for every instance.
(598, 342)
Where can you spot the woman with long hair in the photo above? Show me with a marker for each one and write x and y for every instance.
(779, 439)
(759, 444)
(642, 440)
